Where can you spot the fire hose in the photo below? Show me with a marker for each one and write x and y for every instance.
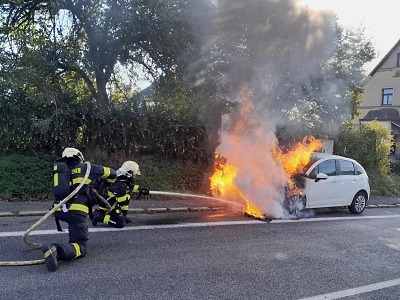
(29, 230)
(196, 196)
(72, 194)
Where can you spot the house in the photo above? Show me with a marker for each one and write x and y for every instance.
(381, 98)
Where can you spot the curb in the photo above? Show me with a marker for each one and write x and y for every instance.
(383, 205)
(7, 214)
(153, 210)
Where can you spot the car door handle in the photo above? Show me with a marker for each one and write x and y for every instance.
(334, 181)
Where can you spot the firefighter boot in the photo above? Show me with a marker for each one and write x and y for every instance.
(127, 220)
(50, 257)
(96, 217)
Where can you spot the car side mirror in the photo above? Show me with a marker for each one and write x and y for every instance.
(321, 176)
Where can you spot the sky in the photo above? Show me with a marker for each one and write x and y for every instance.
(380, 19)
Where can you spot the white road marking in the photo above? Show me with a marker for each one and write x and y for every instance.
(134, 228)
(192, 225)
(356, 291)
(333, 219)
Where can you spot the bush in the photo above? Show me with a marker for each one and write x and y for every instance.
(369, 144)
(30, 178)
(25, 178)
(172, 175)
(395, 166)
(384, 184)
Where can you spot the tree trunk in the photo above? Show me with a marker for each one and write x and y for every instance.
(101, 83)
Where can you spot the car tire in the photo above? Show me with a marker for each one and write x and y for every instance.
(359, 203)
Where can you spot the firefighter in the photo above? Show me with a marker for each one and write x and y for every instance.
(118, 195)
(69, 172)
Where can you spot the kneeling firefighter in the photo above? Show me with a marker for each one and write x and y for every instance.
(118, 195)
(69, 172)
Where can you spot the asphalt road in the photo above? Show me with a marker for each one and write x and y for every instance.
(331, 254)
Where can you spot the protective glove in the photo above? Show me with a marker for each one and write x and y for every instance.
(143, 191)
(130, 183)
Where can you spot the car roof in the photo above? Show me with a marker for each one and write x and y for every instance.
(318, 155)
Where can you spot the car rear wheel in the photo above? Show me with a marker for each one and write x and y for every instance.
(359, 203)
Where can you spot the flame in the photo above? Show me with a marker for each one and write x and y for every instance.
(222, 180)
(239, 141)
(299, 156)
(222, 184)
(253, 210)
(293, 162)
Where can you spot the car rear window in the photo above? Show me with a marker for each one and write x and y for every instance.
(359, 169)
(346, 167)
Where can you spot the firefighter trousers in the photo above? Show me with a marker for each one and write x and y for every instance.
(78, 235)
(114, 219)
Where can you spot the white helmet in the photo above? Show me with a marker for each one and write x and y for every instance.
(71, 152)
(129, 168)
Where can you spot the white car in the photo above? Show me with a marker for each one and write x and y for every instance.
(331, 181)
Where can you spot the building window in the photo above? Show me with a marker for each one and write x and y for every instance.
(387, 96)
(398, 59)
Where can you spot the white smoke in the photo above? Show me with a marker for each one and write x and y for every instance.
(276, 50)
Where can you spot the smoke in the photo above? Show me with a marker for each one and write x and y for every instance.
(269, 59)
(278, 49)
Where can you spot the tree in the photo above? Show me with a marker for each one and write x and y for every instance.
(354, 50)
(304, 73)
(342, 79)
(91, 37)
(60, 54)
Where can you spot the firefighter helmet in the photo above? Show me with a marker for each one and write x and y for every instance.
(71, 152)
(129, 168)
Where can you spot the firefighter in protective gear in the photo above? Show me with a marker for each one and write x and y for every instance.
(118, 195)
(75, 211)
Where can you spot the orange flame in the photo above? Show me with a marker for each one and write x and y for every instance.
(295, 160)
(292, 161)
(222, 184)
(222, 180)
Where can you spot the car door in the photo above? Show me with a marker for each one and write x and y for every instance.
(322, 193)
(348, 182)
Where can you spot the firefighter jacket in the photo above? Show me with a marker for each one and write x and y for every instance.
(82, 201)
(121, 189)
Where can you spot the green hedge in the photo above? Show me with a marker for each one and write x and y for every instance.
(25, 178)
(30, 178)
(369, 144)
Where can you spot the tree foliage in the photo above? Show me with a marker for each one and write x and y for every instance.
(345, 76)
(354, 50)
(90, 37)
(369, 144)
(61, 61)
(61, 79)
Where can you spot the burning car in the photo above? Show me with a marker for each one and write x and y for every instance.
(330, 181)
(290, 181)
